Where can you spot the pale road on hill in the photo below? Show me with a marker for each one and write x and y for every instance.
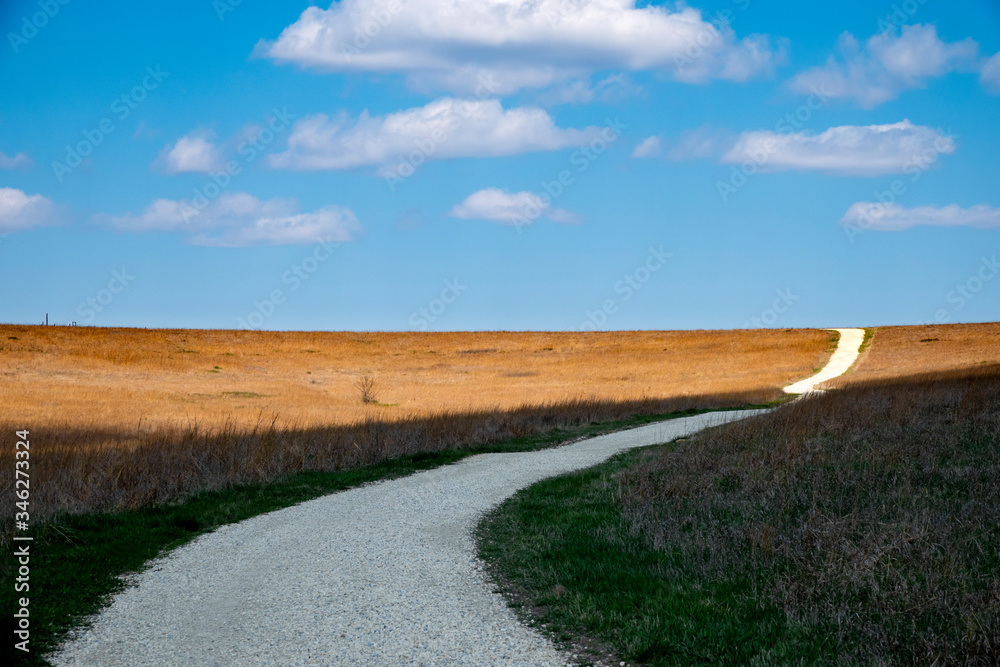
(848, 349)
(383, 574)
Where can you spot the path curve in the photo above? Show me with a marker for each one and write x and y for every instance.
(384, 574)
(848, 349)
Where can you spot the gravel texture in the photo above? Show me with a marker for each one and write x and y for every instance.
(384, 574)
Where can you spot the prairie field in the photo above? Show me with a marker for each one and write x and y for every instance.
(856, 526)
(897, 352)
(114, 378)
(128, 417)
(867, 518)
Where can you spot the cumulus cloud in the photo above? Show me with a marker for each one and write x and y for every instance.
(886, 65)
(445, 128)
(849, 150)
(893, 217)
(510, 208)
(648, 147)
(20, 211)
(19, 161)
(240, 219)
(989, 75)
(194, 152)
(524, 43)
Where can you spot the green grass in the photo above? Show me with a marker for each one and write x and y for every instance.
(867, 340)
(564, 557)
(861, 527)
(77, 560)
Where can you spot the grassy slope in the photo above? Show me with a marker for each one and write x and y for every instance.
(78, 560)
(800, 536)
(566, 560)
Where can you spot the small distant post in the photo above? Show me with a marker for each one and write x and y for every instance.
(46, 319)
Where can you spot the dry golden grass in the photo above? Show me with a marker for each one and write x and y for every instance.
(126, 417)
(112, 378)
(906, 351)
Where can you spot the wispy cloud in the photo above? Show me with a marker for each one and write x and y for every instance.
(445, 128)
(20, 211)
(989, 75)
(510, 208)
(194, 152)
(893, 217)
(648, 147)
(886, 65)
(849, 150)
(19, 161)
(444, 45)
(240, 219)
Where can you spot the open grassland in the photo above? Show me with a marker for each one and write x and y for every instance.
(113, 378)
(122, 418)
(895, 352)
(860, 526)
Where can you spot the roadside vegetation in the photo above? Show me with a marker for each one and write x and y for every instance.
(861, 526)
(79, 559)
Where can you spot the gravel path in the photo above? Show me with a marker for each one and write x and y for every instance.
(848, 349)
(383, 574)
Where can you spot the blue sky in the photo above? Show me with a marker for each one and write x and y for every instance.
(396, 164)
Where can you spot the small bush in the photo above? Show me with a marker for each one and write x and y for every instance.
(366, 387)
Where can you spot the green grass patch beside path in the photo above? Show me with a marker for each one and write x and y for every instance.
(77, 561)
(563, 555)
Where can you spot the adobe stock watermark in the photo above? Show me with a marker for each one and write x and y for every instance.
(30, 25)
(900, 15)
(293, 278)
(223, 7)
(967, 290)
(92, 305)
(249, 150)
(423, 317)
(122, 108)
(627, 287)
(768, 317)
(581, 158)
(914, 168)
(370, 28)
(698, 45)
(424, 148)
(791, 122)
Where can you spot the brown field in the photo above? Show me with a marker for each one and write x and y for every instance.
(903, 351)
(113, 378)
(125, 417)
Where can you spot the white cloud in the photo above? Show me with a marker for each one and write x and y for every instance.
(20, 211)
(850, 150)
(240, 219)
(524, 43)
(989, 75)
(893, 217)
(194, 152)
(648, 147)
(704, 142)
(19, 161)
(445, 128)
(510, 208)
(887, 65)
